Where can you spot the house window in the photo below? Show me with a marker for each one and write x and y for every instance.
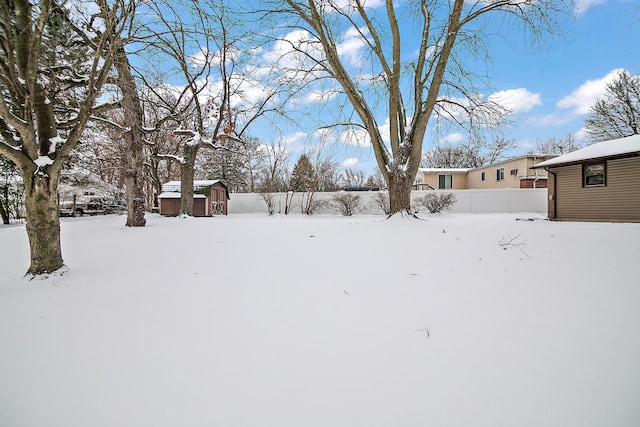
(482, 176)
(593, 175)
(445, 181)
(500, 174)
(514, 172)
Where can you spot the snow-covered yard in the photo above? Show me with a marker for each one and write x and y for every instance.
(251, 320)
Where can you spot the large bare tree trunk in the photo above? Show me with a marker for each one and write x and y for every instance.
(186, 179)
(133, 182)
(400, 185)
(43, 226)
(133, 119)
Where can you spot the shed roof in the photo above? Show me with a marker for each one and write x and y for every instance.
(197, 184)
(177, 195)
(620, 147)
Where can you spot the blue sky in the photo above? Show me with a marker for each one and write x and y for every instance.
(551, 88)
(561, 83)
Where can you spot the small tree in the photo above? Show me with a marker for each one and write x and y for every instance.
(11, 191)
(270, 201)
(303, 176)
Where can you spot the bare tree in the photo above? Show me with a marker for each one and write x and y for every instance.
(274, 173)
(617, 114)
(445, 156)
(435, 82)
(471, 154)
(133, 136)
(48, 97)
(557, 146)
(353, 178)
(215, 102)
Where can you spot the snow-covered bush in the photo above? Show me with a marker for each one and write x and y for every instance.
(435, 202)
(346, 202)
(381, 200)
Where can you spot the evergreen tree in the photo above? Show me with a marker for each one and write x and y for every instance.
(303, 177)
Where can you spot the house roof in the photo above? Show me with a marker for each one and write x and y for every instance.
(444, 170)
(499, 162)
(197, 184)
(621, 147)
(511, 159)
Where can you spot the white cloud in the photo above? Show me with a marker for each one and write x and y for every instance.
(516, 100)
(320, 96)
(582, 98)
(583, 5)
(352, 44)
(351, 162)
(578, 103)
(292, 50)
(349, 4)
(454, 137)
(293, 138)
(581, 136)
(356, 136)
(204, 56)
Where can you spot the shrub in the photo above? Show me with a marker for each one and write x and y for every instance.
(381, 200)
(347, 203)
(270, 201)
(310, 205)
(436, 202)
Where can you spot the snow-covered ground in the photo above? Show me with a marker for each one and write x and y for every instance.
(254, 321)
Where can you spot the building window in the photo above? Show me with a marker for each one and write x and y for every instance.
(482, 176)
(445, 181)
(500, 174)
(593, 175)
(514, 172)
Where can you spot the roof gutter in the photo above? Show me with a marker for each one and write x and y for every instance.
(555, 193)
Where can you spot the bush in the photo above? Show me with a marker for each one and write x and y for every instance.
(381, 200)
(270, 201)
(347, 203)
(436, 202)
(310, 205)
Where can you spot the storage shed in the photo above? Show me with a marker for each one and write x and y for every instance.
(597, 183)
(210, 197)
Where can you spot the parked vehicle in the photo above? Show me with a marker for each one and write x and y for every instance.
(91, 206)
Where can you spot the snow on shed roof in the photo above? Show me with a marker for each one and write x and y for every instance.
(176, 195)
(175, 185)
(599, 150)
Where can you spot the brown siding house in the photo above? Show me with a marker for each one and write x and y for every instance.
(210, 198)
(598, 183)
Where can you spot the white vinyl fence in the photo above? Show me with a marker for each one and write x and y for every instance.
(510, 200)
